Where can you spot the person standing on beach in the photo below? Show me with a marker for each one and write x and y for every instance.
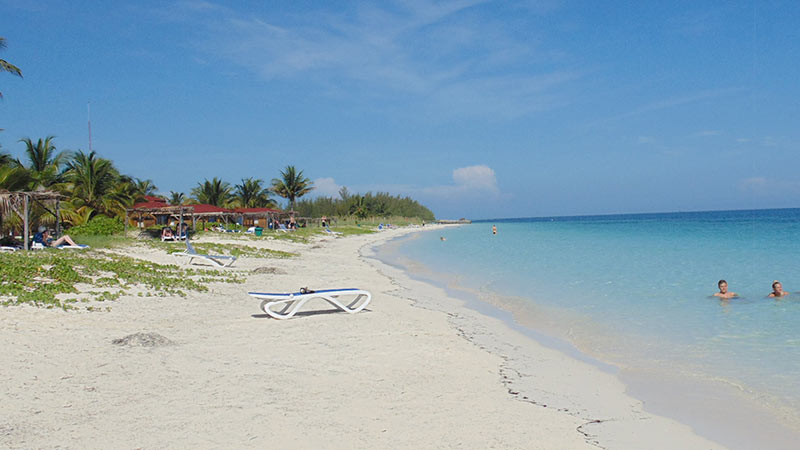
(777, 290)
(494, 229)
(723, 290)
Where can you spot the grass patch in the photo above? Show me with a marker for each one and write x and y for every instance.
(208, 248)
(99, 241)
(39, 277)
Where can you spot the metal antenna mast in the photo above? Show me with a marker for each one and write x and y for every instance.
(89, 111)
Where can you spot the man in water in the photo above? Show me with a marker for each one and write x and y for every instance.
(494, 229)
(777, 290)
(723, 290)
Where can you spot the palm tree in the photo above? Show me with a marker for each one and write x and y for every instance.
(145, 187)
(6, 66)
(97, 184)
(44, 162)
(14, 178)
(358, 206)
(5, 159)
(251, 194)
(215, 192)
(176, 198)
(292, 185)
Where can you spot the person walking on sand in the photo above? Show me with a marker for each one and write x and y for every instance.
(777, 290)
(494, 229)
(723, 290)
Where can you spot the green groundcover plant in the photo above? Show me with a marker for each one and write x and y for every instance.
(98, 226)
(51, 278)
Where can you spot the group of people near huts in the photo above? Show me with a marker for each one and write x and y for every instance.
(180, 232)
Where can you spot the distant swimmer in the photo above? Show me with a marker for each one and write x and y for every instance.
(777, 290)
(494, 229)
(723, 290)
(442, 238)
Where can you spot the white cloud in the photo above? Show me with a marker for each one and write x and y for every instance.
(481, 178)
(436, 50)
(704, 133)
(477, 180)
(325, 187)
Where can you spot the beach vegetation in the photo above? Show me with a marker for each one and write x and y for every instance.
(99, 226)
(381, 204)
(97, 187)
(176, 198)
(252, 194)
(214, 192)
(6, 66)
(45, 163)
(237, 250)
(52, 278)
(292, 185)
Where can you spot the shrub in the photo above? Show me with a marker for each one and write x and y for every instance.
(98, 226)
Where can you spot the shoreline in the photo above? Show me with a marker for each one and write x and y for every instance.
(625, 423)
(740, 423)
(416, 369)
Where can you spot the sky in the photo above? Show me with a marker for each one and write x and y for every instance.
(478, 109)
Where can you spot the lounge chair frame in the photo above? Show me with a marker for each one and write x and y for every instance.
(191, 254)
(284, 306)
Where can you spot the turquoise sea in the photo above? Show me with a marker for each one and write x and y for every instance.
(635, 290)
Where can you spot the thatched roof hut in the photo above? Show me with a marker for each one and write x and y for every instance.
(20, 202)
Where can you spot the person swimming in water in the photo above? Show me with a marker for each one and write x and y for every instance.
(494, 229)
(723, 290)
(777, 290)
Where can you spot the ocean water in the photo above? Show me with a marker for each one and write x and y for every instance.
(635, 290)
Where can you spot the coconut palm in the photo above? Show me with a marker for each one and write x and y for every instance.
(291, 185)
(251, 194)
(97, 184)
(144, 188)
(14, 178)
(6, 66)
(44, 162)
(5, 159)
(215, 192)
(176, 198)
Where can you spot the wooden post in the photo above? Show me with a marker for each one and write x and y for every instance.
(25, 226)
(126, 223)
(58, 218)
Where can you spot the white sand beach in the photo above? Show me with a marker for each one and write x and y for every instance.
(417, 369)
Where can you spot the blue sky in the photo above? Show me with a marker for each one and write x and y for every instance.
(479, 109)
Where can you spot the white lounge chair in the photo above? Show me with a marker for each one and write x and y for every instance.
(284, 306)
(217, 260)
(6, 248)
(327, 230)
(73, 247)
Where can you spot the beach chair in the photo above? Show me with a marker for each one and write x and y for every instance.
(191, 254)
(284, 306)
(6, 248)
(282, 228)
(327, 230)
